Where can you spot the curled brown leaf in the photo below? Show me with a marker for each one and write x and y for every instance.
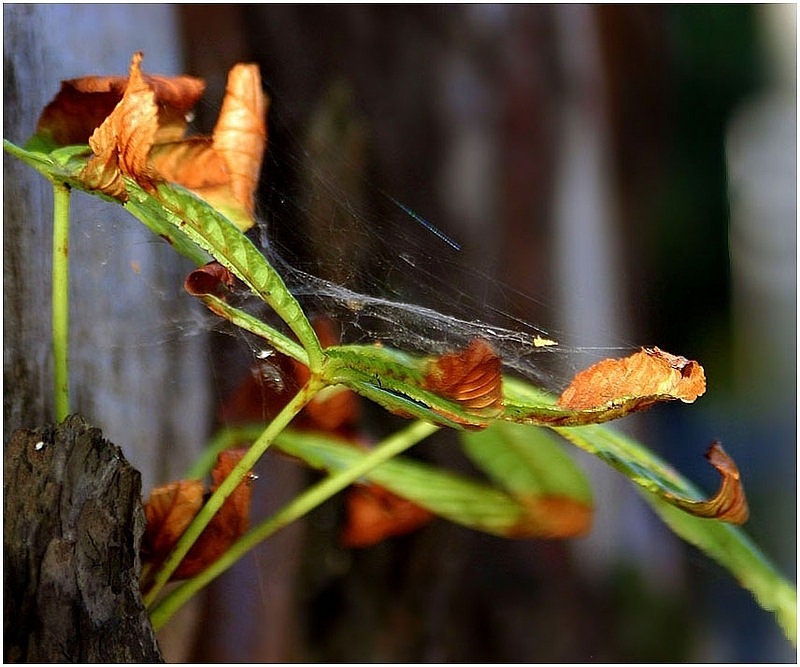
(471, 378)
(122, 142)
(648, 376)
(240, 134)
(729, 503)
(223, 169)
(211, 278)
(168, 512)
(135, 127)
(82, 104)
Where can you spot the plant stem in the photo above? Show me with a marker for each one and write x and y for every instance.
(244, 320)
(217, 499)
(60, 299)
(301, 505)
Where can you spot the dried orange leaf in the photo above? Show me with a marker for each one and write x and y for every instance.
(470, 377)
(729, 502)
(374, 514)
(171, 508)
(240, 134)
(648, 376)
(81, 105)
(122, 143)
(193, 163)
(224, 168)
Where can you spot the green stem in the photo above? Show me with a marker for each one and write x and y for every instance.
(60, 299)
(301, 505)
(248, 322)
(217, 499)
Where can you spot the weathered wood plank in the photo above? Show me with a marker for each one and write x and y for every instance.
(72, 526)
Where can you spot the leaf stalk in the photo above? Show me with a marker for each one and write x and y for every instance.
(236, 476)
(300, 506)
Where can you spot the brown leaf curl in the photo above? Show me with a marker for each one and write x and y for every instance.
(240, 135)
(135, 128)
(471, 378)
(122, 143)
(224, 168)
(729, 503)
(211, 278)
(168, 512)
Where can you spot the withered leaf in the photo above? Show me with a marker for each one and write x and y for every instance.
(224, 169)
(192, 162)
(82, 104)
(211, 278)
(471, 378)
(648, 376)
(168, 512)
(729, 502)
(171, 508)
(240, 134)
(137, 126)
(121, 144)
(375, 514)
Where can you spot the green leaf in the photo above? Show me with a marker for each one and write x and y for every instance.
(395, 380)
(732, 548)
(463, 501)
(217, 235)
(662, 486)
(163, 223)
(526, 461)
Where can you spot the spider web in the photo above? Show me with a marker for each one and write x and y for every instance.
(385, 274)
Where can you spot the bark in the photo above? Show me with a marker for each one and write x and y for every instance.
(72, 525)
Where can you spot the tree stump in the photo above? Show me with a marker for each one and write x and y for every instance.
(73, 522)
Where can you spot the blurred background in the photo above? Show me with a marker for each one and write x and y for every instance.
(632, 169)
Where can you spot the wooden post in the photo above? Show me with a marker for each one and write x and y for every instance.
(72, 525)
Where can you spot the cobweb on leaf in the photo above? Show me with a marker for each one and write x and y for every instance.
(386, 275)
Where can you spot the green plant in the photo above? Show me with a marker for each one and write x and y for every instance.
(507, 424)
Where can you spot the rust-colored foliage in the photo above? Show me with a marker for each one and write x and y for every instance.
(471, 378)
(135, 127)
(649, 376)
(375, 514)
(81, 105)
(171, 508)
